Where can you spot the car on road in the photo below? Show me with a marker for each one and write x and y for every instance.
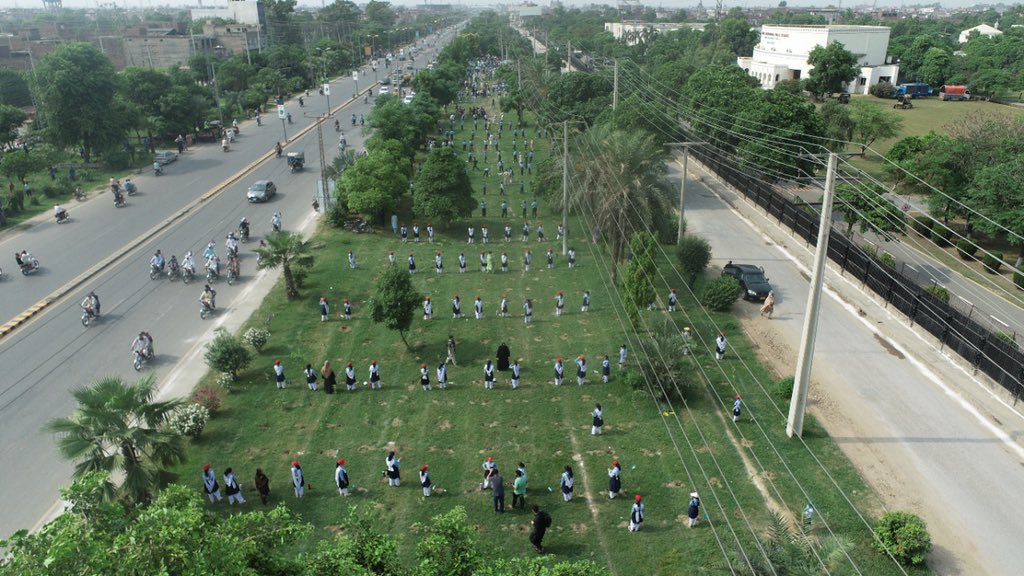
(165, 157)
(751, 278)
(408, 99)
(384, 90)
(261, 191)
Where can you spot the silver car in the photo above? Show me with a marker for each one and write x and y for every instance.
(165, 157)
(261, 191)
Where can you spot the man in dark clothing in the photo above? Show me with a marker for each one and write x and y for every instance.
(541, 523)
(503, 355)
(498, 492)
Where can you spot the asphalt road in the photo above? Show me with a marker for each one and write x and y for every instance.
(53, 353)
(923, 430)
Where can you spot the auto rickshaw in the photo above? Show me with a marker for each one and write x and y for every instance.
(296, 160)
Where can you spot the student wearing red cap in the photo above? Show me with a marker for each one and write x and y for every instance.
(279, 375)
(636, 515)
(341, 478)
(673, 300)
(559, 371)
(614, 480)
(425, 377)
(210, 486)
(298, 479)
(490, 469)
(581, 371)
(374, 375)
(736, 406)
(350, 377)
(425, 482)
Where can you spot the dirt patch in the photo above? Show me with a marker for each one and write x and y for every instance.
(395, 423)
(345, 328)
(331, 453)
(444, 425)
(335, 529)
(366, 448)
(255, 452)
(674, 484)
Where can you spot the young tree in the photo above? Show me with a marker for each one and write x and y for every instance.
(117, 427)
(839, 124)
(449, 546)
(872, 122)
(375, 183)
(834, 68)
(395, 301)
(694, 254)
(14, 89)
(638, 281)
(291, 253)
(866, 205)
(227, 353)
(11, 118)
(443, 192)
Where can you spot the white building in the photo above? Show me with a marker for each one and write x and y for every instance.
(634, 32)
(782, 54)
(248, 12)
(983, 29)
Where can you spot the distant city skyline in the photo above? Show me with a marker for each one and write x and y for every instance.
(316, 3)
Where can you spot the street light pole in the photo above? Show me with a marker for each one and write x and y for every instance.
(682, 186)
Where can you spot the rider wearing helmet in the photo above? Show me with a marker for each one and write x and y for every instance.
(91, 304)
(243, 227)
(188, 263)
(172, 265)
(157, 261)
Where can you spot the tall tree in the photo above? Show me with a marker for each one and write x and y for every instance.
(289, 251)
(395, 301)
(834, 68)
(76, 84)
(443, 191)
(14, 88)
(872, 122)
(779, 134)
(996, 192)
(710, 101)
(117, 427)
(11, 118)
(375, 183)
(839, 124)
(638, 282)
(866, 205)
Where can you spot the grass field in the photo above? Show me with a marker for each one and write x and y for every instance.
(665, 451)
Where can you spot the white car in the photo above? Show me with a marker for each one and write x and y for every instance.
(407, 99)
(384, 90)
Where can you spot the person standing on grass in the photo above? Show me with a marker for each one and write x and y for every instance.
(586, 301)
(298, 479)
(350, 377)
(310, 377)
(478, 308)
(456, 307)
(442, 376)
(374, 375)
(672, 300)
(438, 263)
(471, 235)
(581, 371)
(485, 234)
(425, 482)
(720, 346)
(519, 491)
(559, 371)
(498, 492)
(489, 375)
(412, 263)
(416, 233)
(693, 511)
(425, 377)
(503, 306)
(451, 351)
(526, 225)
(606, 369)
(572, 257)
(598, 415)
(392, 471)
(769, 305)
(515, 374)
(503, 354)
(508, 232)
(527, 311)
(210, 486)
(341, 478)
(551, 258)
(428, 308)
(351, 260)
(405, 233)
(541, 523)
(622, 356)
(527, 260)
(346, 309)
(489, 263)
(325, 309)
(232, 489)
(279, 375)
(490, 469)
(262, 484)
(391, 257)
(330, 379)
(559, 303)
(504, 261)
(462, 262)
(614, 480)
(636, 514)
(430, 233)
(566, 483)
(736, 407)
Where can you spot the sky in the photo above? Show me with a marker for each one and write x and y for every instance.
(316, 3)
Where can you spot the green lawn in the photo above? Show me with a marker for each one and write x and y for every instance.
(665, 451)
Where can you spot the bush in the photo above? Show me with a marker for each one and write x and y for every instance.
(870, 249)
(904, 536)
(1018, 279)
(189, 420)
(227, 353)
(784, 388)
(256, 337)
(939, 292)
(55, 189)
(693, 253)
(720, 294)
(992, 261)
(208, 397)
(883, 90)
(941, 235)
(923, 225)
(887, 259)
(966, 249)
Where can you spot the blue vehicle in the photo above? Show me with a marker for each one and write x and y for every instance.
(914, 90)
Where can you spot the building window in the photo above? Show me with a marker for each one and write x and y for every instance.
(796, 74)
(862, 81)
(776, 77)
(885, 79)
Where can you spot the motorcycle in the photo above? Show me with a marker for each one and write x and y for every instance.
(243, 234)
(119, 200)
(211, 275)
(231, 277)
(141, 357)
(29, 264)
(79, 195)
(187, 275)
(155, 271)
(205, 310)
(173, 273)
(88, 316)
(62, 217)
(158, 169)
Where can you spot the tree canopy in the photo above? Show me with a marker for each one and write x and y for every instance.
(834, 68)
(443, 192)
(395, 301)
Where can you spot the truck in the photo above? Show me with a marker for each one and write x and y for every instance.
(954, 92)
(914, 90)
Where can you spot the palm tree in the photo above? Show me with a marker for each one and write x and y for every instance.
(287, 250)
(622, 188)
(790, 551)
(118, 428)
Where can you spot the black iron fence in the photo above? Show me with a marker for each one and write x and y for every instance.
(998, 357)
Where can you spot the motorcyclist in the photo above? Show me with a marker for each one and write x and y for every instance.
(210, 251)
(275, 221)
(213, 264)
(353, 119)
(129, 186)
(59, 213)
(188, 263)
(143, 344)
(301, 102)
(243, 229)
(91, 304)
(172, 266)
(289, 116)
(234, 267)
(115, 185)
(209, 298)
(337, 125)
(224, 144)
(278, 149)
(231, 135)
(157, 261)
(231, 243)
(118, 197)
(234, 124)
(158, 169)
(259, 120)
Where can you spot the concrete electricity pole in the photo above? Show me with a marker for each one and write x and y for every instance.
(615, 86)
(682, 185)
(565, 187)
(805, 356)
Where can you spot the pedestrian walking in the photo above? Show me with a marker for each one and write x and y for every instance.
(527, 311)
(519, 491)
(490, 469)
(428, 308)
(614, 480)
(346, 309)
(351, 260)
(311, 377)
(515, 374)
(298, 479)
(720, 346)
(442, 376)
(693, 511)
(412, 263)
(374, 375)
(586, 301)
(325, 309)
(559, 371)
(672, 300)
(231, 488)
(279, 375)
(478, 308)
(488, 375)
(392, 471)
(425, 377)
(341, 478)
(438, 263)
(210, 486)
(606, 369)
(622, 356)
(350, 377)
(541, 523)
(462, 263)
(736, 407)
(451, 350)
(598, 423)
(768, 308)
(262, 484)
(498, 492)
(566, 483)
(425, 482)
(636, 514)
(559, 303)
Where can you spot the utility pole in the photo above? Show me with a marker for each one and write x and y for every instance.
(565, 187)
(798, 403)
(324, 189)
(682, 185)
(615, 86)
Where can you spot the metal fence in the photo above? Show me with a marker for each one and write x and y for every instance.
(985, 349)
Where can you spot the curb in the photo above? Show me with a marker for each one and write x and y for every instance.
(76, 282)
